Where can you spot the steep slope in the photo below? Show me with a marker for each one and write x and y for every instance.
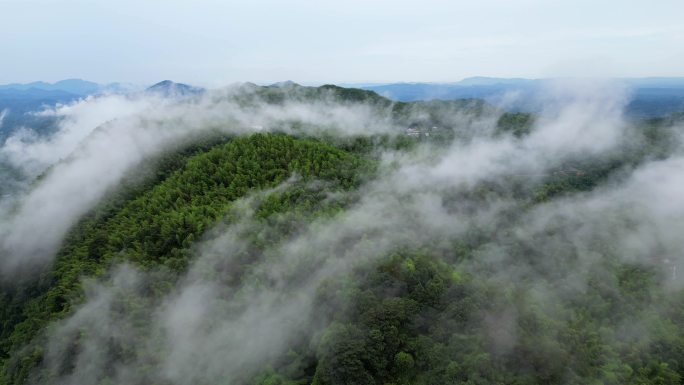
(156, 227)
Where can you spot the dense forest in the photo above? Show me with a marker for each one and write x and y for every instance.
(300, 253)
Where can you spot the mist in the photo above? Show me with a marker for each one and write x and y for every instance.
(212, 327)
(101, 138)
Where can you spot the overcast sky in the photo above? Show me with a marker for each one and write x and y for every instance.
(212, 43)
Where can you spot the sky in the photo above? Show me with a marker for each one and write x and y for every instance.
(213, 43)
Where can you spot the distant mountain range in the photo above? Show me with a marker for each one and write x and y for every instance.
(77, 87)
(65, 90)
(650, 97)
(17, 101)
(73, 86)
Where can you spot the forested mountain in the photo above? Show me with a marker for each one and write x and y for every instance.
(328, 235)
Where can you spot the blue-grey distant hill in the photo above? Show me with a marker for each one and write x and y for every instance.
(17, 107)
(650, 97)
(168, 88)
(18, 99)
(19, 102)
(73, 87)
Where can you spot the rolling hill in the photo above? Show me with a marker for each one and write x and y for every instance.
(329, 235)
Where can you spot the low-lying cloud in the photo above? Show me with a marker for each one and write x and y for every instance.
(210, 331)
